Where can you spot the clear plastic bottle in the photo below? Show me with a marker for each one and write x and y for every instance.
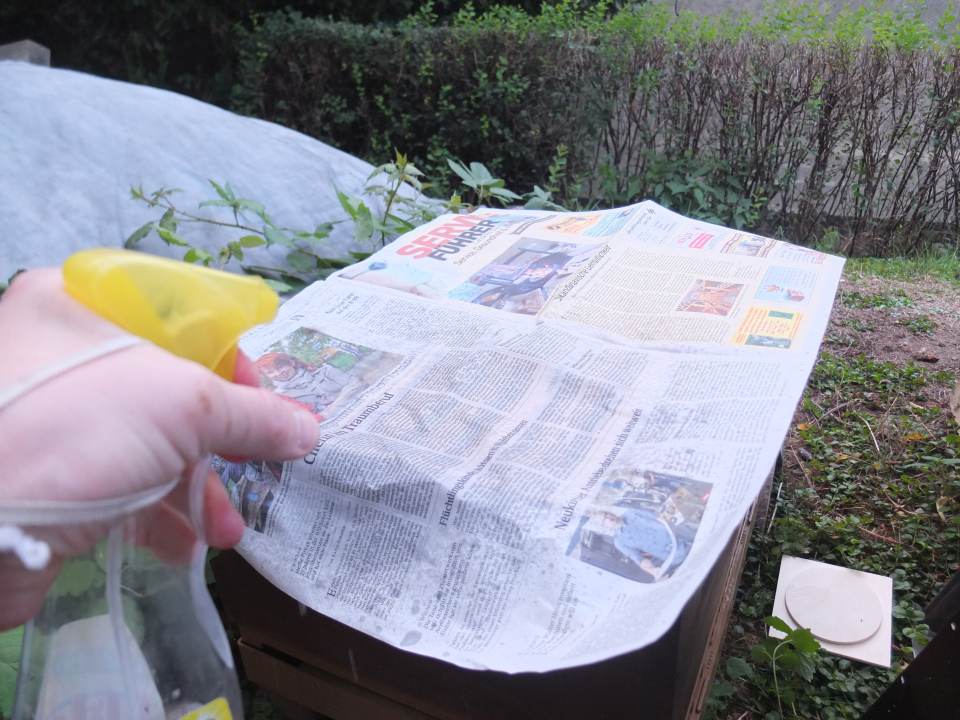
(126, 633)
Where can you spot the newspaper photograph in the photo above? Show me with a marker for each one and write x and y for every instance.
(538, 429)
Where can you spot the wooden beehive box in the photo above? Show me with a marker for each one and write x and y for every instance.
(317, 667)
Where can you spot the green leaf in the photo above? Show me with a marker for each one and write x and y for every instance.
(758, 654)
(720, 690)
(806, 668)
(804, 641)
(461, 170)
(778, 624)
(349, 204)
(10, 643)
(331, 263)
(763, 650)
(480, 172)
(504, 193)
(738, 668)
(788, 659)
(301, 261)
(542, 199)
(157, 195)
(364, 224)
(284, 279)
(194, 255)
(360, 256)
(235, 250)
(278, 286)
(323, 230)
(251, 205)
(251, 241)
(677, 188)
(137, 235)
(395, 225)
(77, 577)
(225, 193)
(266, 219)
(171, 238)
(168, 222)
(216, 203)
(277, 237)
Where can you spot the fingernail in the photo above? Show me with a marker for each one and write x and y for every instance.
(306, 430)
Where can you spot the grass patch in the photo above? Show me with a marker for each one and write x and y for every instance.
(939, 265)
(895, 299)
(870, 481)
(919, 325)
(860, 325)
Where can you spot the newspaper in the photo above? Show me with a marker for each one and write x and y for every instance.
(539, 429)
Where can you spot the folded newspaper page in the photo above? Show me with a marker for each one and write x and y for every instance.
(539, 429)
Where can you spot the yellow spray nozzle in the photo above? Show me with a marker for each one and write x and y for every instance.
(189, 310)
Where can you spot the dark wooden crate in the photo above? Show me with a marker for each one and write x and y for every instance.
(327, 669)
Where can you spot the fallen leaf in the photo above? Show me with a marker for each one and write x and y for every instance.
(914, 437)
(942, 502)
(925, 356)
(803, 426)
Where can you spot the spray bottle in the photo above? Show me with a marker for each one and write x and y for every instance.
(138, 637)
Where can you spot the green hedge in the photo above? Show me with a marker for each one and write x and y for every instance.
(187, 45)
(788, 123)
(433, 92)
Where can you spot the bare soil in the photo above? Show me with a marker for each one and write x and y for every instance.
(893, 333)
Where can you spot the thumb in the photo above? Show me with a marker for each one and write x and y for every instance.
(253, 422)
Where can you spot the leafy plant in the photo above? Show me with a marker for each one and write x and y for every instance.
(306, 257)
(10, 642)
(701, 188)
(398, 184)
(483, 184)
(402, 212)
(484, 187)
(792, 655)
(540, 199)
(558, 184)
(778, 667)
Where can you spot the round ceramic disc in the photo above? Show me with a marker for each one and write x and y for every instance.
(837, 607)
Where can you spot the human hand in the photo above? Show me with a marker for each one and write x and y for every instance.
(121, 424)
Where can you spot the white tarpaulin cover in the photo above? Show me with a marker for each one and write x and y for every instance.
(72, 145)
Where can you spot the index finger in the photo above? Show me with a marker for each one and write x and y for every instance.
(245, 371)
